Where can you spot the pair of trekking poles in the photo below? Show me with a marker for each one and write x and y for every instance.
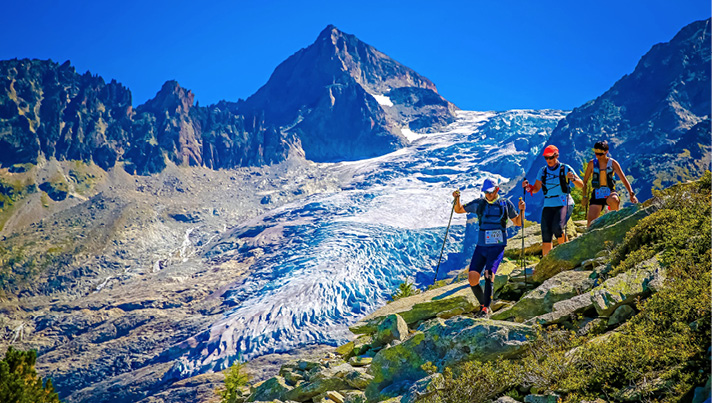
(524, 269)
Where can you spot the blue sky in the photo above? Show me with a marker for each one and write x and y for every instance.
(482, 55)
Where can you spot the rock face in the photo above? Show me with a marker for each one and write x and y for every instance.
(346, 100)
(47, 109)
(452, 298)
(326, 100)
(445, 343)
(561, 287)
(626, 287)
(656, 119)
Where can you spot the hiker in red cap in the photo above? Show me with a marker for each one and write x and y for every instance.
(554, 179)
(603, 182)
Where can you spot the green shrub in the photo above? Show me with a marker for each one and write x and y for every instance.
(19, 382)
(681, 227)
(235, 379)
(405, 289)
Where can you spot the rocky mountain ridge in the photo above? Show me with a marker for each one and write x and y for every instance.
(320, 101)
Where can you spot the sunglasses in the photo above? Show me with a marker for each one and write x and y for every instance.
(550, 158)
(600, 154)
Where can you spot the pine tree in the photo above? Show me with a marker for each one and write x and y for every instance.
(19, 382)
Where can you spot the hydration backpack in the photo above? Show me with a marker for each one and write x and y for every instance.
(563, 182)
(502, 204)
(596, 178)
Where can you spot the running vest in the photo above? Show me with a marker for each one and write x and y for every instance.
(563, 181)
(596, 178)
(492, 216)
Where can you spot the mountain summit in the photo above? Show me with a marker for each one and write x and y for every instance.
(338, 99)
(344, 99)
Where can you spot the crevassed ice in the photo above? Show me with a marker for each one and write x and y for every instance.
(330, 259)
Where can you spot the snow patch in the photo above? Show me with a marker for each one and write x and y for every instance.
(383, 100)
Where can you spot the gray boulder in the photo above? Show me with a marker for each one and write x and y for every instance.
(393, 327)
(563, 310)
(271, 389)
(626, 287)
(541, 300)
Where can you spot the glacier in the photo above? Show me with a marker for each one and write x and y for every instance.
(320, 264)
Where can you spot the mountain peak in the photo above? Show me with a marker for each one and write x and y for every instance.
(171, 97)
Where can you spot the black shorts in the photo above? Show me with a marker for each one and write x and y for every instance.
(600, 202)
(553, 221)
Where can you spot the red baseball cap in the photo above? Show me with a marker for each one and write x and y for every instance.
(550, 150)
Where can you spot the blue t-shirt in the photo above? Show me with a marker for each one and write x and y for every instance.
(488, 235)
(555, 197)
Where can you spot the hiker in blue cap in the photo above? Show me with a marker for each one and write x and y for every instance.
(492, 213)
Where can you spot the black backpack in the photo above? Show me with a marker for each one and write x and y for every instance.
(502, 212)
(563, 182)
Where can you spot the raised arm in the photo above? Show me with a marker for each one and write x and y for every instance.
(458, 207)
(571, 175)
(617, 169)
(532, 189)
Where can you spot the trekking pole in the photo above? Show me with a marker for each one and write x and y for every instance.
(444, 240)
(524, 266)
(566, 222)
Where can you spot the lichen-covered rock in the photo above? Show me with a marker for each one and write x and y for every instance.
(445, 343)
(391, 328)
(626, 287)
(354, 397)
(623, 313)
(506, 399)
(308, 390)
(292, 378)
(422, 388)
(358, 380)
(564, 310)
(548, 398)
(360, 361)
(421, 307)
(362, 344)
(345, 350)
(273, 388)
(335, 396)
(611, 228)
(532, 241)
(541, 300)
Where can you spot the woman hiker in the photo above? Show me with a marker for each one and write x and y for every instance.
(554, 179)
(492, 213)
(603, 184)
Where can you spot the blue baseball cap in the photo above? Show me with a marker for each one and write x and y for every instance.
(488, 186)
